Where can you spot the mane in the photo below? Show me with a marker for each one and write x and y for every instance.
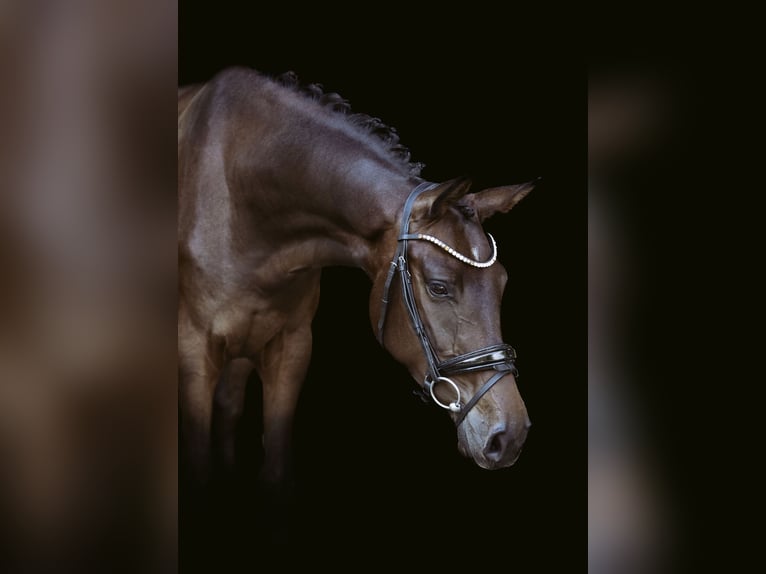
(367, 124)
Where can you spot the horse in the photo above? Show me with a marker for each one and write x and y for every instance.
(277, 181)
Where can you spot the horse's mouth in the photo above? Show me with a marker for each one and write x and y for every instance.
(482, 462)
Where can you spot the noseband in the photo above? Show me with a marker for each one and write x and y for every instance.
(499, 358)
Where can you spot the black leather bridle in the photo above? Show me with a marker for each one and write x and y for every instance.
(500, 358)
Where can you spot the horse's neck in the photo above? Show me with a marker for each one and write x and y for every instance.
(352, 216)
(334, 210)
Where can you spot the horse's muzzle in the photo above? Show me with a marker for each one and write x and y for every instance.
(500, 447)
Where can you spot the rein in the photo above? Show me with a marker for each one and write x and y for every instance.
(500, 358)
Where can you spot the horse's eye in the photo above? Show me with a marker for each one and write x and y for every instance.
(437, 289)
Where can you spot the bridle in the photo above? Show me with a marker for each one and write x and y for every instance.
(499, 358)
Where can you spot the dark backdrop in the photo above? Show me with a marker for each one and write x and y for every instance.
(379, 475)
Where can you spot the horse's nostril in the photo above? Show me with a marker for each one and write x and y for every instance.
(495, 446)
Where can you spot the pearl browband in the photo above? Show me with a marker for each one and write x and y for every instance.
(457, 255)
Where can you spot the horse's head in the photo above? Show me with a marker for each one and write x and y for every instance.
(454, 299)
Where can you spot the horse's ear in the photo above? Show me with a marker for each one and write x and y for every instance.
(494, 200)
(445, 194)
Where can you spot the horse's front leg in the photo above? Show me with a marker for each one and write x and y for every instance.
(199, 367)
(282, 365)
(282, 368)
(229, 405)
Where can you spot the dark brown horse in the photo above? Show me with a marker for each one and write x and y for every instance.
(277, 182)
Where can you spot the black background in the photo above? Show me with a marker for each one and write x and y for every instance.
(378, 473)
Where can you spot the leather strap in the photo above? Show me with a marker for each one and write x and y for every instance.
(490, 357)
(417, 322)
(404, 228)
(480, 393)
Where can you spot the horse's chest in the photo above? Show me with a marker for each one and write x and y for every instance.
(251, 321)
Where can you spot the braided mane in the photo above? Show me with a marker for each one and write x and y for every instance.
(368, 124)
